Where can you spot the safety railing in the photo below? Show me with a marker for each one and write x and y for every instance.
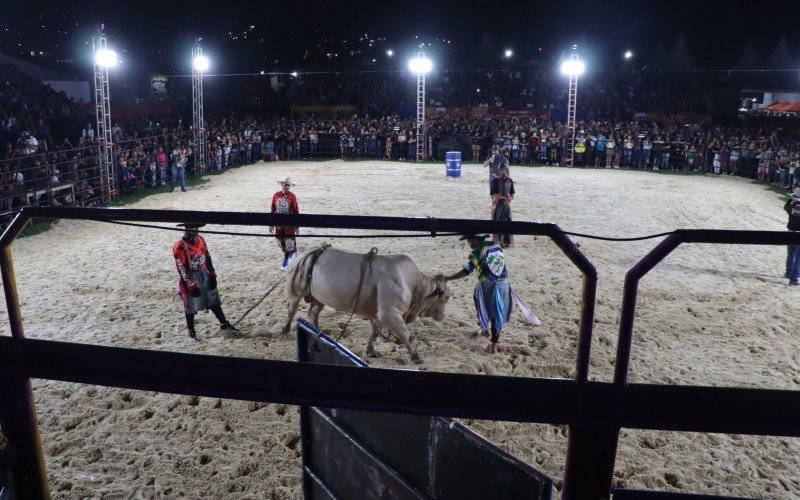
(594, 411)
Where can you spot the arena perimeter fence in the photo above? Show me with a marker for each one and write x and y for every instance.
(72, 177)
(594, 412)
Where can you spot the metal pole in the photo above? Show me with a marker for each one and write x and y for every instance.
(572, 102)
(421, 139)
(17, 410)
(103, 117)
(198, 124)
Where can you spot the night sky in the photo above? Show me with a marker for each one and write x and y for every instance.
(157, 36)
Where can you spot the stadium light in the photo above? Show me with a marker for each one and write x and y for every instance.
(105, 58)
(201, 63)
(390, 52)
(628, 54)
(293, 73)
(420, 64)
(572, 67)
(508, 53)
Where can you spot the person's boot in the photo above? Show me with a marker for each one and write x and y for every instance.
(193, 335)
(228, 326)
(285, 262)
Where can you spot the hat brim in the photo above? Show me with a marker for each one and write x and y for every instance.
(284, 183)
(481, 236)
(190, 224)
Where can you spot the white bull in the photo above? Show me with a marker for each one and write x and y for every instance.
(392, 291)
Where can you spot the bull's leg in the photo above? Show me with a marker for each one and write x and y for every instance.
(394, 322)
(313, 312)
(373, 334)
(293, 303)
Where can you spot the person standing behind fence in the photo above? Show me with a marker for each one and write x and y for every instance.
(792, 207)
(197, 284)
(493, 291)
(178, 160)
(285, 202)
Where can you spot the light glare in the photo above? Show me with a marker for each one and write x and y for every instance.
(201, 63)
(420, 65)
(509, 53)
(105, 58)
(628, 54)
(572, 67)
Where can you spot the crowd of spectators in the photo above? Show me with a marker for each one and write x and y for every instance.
(39, 168)
(610, 95)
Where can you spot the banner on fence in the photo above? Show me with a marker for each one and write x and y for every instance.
(682, 118)
(477, 112)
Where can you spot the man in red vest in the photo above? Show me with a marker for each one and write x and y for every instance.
(285, 202)
(197, 284)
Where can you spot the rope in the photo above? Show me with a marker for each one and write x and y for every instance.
(278, 282)
(432, 234)
(260, 235)
(367, 260)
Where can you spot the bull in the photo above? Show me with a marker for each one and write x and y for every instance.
(387, 290)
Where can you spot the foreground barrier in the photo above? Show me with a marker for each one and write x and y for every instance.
(594, 411)
(348, 452)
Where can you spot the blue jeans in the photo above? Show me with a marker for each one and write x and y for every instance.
(793, 263)
(178, 173)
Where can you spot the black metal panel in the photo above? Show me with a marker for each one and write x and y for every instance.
(402, 441)
(619, 494)
(467, 466)
(438, 456)
(348, 469)
(319, 490)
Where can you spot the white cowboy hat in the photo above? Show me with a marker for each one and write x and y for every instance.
(796, 193)
(287, 181)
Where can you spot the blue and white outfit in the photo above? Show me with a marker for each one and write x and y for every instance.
(493, 291)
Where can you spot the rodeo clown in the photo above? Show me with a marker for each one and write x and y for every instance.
(197, 285)
(285, 202)
(493, 291)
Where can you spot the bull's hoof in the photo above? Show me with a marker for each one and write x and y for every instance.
(416, 359)
(285, 330)
(372, 353)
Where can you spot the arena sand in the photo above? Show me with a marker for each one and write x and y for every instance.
(709, 315)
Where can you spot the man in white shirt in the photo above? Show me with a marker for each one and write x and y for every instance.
(88, 132)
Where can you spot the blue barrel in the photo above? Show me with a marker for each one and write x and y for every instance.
(452, 160)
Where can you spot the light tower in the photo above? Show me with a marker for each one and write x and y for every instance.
(572, 67)
(103, 59)
(420, 65)
(200, 64)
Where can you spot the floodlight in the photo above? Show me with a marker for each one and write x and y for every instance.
(200, 63)
(628, 54)
(105, 58)
(508, 53)
(293, 73)
(573, 67)
(390, 52)
(420, 65)
(262, 71)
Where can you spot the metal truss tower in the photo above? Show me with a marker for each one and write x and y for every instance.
(199, 65)
(102, 106)
(569, 146)
(421, 135)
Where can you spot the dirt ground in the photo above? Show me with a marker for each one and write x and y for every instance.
(709, 315)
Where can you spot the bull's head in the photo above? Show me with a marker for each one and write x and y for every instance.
(437, 299)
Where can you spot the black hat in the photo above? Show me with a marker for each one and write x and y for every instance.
(477, 236)
(187, 225)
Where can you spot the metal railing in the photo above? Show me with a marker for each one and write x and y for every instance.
(594, 411)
